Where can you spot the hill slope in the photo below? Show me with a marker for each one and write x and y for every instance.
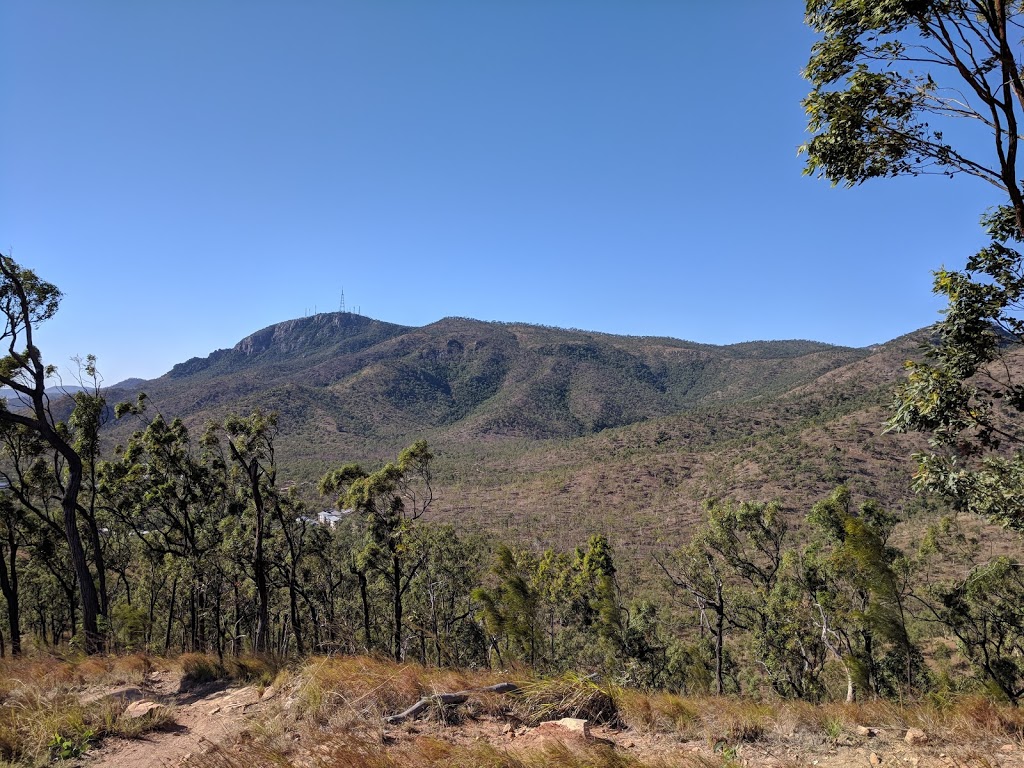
(559, 433)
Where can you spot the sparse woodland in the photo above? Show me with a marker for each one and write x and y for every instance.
(186, 540)
(194, 544)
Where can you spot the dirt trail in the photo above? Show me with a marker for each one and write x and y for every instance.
(209, 714)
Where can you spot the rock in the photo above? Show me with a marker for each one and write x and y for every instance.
(874, 759)
(915, 737)
(567, 727)
(863, 730)
(576, 725)
(139, 709)
(1007, 748)
(269, 693)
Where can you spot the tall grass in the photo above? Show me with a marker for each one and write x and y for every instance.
(45, 716)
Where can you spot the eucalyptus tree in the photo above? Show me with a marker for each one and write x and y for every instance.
(854, 583)
(511, 609)
(22, 512)
(251, 453)
(12, 535)
(389, 501)
(440, 609)
(743, 575)
(26, 301)
(908, 87)
(293, 530)
(171, 495)
(699, 575)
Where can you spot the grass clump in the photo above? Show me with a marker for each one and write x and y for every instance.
(260, 669)
(659, 712)
(199, 668)
(43, 717)
(565, 696)
(369, 687)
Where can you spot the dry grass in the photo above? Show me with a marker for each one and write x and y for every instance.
(43, 715)
(365, 687)
(335, 712)
(565, 696)
(198, 668)
(430, 752)
(341, 702)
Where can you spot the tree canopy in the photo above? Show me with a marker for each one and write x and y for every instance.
(905, 87)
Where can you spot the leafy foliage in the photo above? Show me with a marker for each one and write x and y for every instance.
(968, 393)
(882, 73)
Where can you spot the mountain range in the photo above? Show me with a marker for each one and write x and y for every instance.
(560, 433)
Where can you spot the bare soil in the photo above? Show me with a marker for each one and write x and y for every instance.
(209, 714)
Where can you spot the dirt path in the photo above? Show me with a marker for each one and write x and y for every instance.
(209, 714)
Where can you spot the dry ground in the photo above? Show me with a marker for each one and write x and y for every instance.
(331, 717)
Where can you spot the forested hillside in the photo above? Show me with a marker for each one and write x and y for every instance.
(674, 514)
(558, 434)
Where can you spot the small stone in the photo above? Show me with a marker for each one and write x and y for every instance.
(139, 709)
(268, 693)
(1007, 748)
(863, 730)
(509, 728)
(915, 737)
(575, 724)
(874, 759)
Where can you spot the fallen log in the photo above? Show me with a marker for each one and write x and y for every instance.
(448, 699)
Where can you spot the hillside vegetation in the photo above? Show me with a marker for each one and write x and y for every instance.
(561, 433)
(674, 516)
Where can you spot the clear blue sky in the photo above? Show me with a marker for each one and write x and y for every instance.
(190, 171)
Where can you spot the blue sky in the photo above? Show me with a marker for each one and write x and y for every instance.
(188, 172)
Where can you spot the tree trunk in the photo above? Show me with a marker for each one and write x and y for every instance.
(86, 586)
(293, 599)
(396, 572)
(365, 597)
(170, 615)
(9, 586)
(719, 654)
(262, 640)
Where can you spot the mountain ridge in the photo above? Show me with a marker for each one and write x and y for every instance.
(558, 432)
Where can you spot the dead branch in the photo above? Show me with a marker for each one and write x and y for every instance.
(448, 699)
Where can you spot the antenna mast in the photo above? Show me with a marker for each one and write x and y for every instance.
(341, 305)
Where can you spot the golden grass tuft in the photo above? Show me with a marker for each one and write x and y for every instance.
(261, 668)
(565, 696)
(131, 669)
(199, 668)
(364, 686)
(658, 711)
(43, 717)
